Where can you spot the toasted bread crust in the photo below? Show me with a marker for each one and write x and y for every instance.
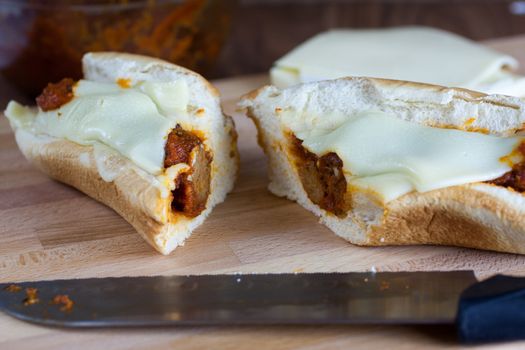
(129, 194)
(461, 93)
(94, 61)
(458, 216)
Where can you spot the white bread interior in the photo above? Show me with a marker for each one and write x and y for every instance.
(116, 181)
(477, 215)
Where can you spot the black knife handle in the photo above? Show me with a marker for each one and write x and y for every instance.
(492, 310)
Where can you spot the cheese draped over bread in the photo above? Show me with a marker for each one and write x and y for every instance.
(417, 54)
(392, 157)
(133, 121)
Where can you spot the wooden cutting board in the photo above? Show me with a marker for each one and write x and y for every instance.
(50, 231)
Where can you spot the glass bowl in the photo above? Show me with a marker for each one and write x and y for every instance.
(42, 41)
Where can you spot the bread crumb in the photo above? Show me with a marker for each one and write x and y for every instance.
(13, 288)
(67, 304)
(31, 296)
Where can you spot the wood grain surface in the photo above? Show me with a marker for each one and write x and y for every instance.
(49, 230)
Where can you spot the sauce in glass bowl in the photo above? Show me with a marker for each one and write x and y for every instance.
(43, 41)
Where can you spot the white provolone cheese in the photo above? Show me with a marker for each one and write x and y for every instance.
(419, 54)
(392, 157)
(163, 94)
(132, 121)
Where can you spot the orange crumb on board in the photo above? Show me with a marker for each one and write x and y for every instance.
(124, 83)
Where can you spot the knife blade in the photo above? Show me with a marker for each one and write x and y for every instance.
(305, 298)
(429, 297)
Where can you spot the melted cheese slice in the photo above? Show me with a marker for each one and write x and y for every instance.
(132, 121)
(418, 54)
(392, 157)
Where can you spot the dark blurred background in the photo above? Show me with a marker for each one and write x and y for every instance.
(42, 41)
(264, 30)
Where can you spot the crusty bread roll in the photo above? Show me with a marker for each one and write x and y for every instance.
(141, 198)
(478, 215)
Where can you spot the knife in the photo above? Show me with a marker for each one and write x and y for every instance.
(487, 311)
